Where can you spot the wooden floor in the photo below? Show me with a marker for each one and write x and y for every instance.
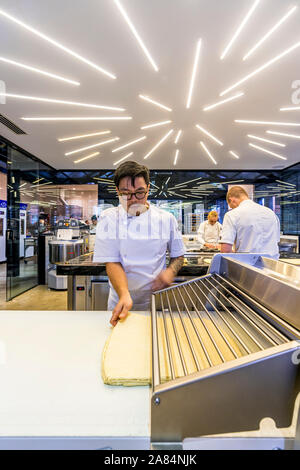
(38, 298)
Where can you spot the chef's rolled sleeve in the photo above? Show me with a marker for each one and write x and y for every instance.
(107, 249)
(176, 246)
(228, 230)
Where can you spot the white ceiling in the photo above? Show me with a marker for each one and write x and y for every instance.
(170, 29)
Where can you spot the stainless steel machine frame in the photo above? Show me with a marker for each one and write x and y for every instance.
(261, 296)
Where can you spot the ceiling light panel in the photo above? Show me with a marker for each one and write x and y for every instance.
(156, 124)
(124, 158)
(234, 154)
(104, 118)
(158, 144)
(65, 139)
(136, 35)
(92, 146)
(178, 135)
(208, 152)
(262, 149)
(268, 123)
(255, 137)
(269, 33)
(176, 157)
(291, 108)
(156, 103)
(41, 72)
(194, 71)
(219, 103)
(209, 135)
(240, 28)
(56, 44)
(132, 142)
(283, 134)
(87, 157)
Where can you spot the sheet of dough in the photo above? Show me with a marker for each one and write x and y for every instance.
(126, 358)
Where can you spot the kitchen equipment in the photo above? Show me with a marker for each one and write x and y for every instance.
(64, 250)
(249, 367)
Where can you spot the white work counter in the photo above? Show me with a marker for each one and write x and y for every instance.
(51, 385)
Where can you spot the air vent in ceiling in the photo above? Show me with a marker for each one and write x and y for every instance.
(13, 127)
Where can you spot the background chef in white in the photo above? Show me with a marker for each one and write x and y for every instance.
(209, 232)
(249, 227)
(132, 240)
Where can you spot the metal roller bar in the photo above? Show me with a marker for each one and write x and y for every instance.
(261, 307)
(214, 323)
(186, 333)
(196, 331)
(232, 316)
(176, 336)
(252, 322)
(167, 340)
(156, 374)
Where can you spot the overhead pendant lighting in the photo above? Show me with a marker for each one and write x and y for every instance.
(209, 135)
(56, 44)
(282, 134)
(41, 72)
(266, 140)
(87, 157)
(176, 157)
(208, 152)
(260, 69)
(158, 144)
(65, 139)
(232, 98)
(124, 158)
(92, 146)
(104, 118)
(234, 154)
(49, 100)
(156, 124)
(262, 149)
(267, 123)
(156, 103)
(240, 28)
(136, 35)
(193, 77)
(269, 33)
(132, 142)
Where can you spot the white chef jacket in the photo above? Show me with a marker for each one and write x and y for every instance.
(140, 245)
(252, 228)
(208, 233)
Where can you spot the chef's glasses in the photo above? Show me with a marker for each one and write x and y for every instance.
(127, 195)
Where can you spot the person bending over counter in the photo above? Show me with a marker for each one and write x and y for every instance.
(249, 227)
(209, 232)
(132, 240)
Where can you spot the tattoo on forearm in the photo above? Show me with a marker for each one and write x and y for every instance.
(176, 264)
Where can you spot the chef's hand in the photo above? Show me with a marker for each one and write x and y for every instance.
(121, 309)
(164, 279)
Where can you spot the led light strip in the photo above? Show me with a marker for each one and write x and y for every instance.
(272, 30)
(192, 83)
(230, 182)
(121, 160)
(106, 118)
(156, 103)
(156, 124)
(92, 146)
(158, 144)
(208, 152)
(135, 33)
(209, 135)
(187, 182)
(208, 108)
(266, 140)
(267, 123)
(235, 155)
(268, 151)
(57, 44)
(240, 28)
(291, 108)
(260, 69)
(65, 139)
(129, 143)
(176, 157)
(179, 195)
(87, 157)
(42, 72)
(177, 137)
(284, 182)
(48, 100)
(292, 136)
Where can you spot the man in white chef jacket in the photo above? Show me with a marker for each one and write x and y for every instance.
(249, 227)
(209, 232)
(132, 240)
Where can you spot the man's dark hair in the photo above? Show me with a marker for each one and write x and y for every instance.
(131, 169)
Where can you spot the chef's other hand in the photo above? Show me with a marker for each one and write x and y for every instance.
(164, 279)
(121, 309)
